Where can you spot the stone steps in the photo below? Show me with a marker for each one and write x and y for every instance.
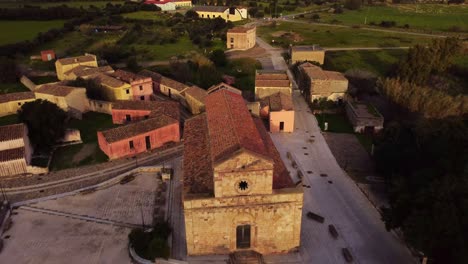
(246, 257)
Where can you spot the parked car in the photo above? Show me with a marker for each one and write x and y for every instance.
(316, 217)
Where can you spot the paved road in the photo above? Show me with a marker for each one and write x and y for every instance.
(336, 197)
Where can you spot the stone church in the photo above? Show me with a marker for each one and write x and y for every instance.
(238, 195)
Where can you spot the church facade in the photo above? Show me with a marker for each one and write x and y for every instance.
(238, 194)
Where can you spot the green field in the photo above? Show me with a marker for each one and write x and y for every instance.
(286, 33)
(423, 16)
(379, 62)
(146, 15)
(15, 31)
(12, 88)
(12, 4)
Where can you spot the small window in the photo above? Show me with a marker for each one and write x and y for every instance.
(146, 116)
(202, 15)
(19, 103)
(127, 91)
(130, 143)
(141, 87)
(232, 40)
(128, 118)
(142, 98)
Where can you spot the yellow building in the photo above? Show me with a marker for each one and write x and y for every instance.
(307, 53)
(227, 13)
(237, 193)
(114, 89)
(195, 99)
(66, 64)
(10, 103)
(86, 71)
(66, 97)
(268, 83)
(241, 38)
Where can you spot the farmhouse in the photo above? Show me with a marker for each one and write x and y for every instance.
(270, 82)
(138, 137)
(114, 89)
(195, 99)
(155, 77)
(364, 117)
(15, 150)
(278, 109)
(316, 83)
(237, 193)
(67, 64)
(170, 5)
(86, 71)
(241, 38)
(307, 53)
(172, 89)
(130, 111)
(10, 103)
(66, 97)
(142, 86)
(227, 13)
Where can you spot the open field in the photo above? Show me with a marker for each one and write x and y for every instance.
(15, 31)
(12, 4)
(88, 152)
(146, 15)
(286, 33)
(12, 88)
(424, 16)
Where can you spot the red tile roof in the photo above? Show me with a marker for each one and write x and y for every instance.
(272, 79)
(198, 170)
(196, 92)
(224, 86)
(11, 132)
(278, 102)
(57, 90)
(10, 97)
(78, 59)
(169, 108)
(12, 154)
(126, 76)
(230, 125)
(137, 128)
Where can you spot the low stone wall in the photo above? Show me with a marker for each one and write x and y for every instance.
(28, 83)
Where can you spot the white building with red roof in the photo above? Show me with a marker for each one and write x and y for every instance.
(170, 5)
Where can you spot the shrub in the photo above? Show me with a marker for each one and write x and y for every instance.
(353, 4)
(387, 24)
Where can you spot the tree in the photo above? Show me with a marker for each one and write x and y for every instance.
(218, 58)
(94, 89)
(353, 4)
(46, 123)
(8, 70)
(132, 64)
(190, 14)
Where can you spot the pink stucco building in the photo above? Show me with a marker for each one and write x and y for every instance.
(142, 86)
(278, 109)
(129, 111)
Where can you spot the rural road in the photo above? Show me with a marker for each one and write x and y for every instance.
(335, 196)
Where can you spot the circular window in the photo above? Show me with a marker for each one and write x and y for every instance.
(243, 185)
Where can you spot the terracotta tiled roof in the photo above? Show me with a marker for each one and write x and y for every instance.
(173, 84)
(281, 177)
(83, 71)
(10, 97)
(169, 108)
(315, 72)
(79, 59)
(224, 86)
(272, 79)
(12, 154)
(196, 92)
(154, 75)
(107, 80)
(230, 125)
(137, 128)
(215, 9)
(273, 83)
(240, 29)
(278, 102)
(56, 90)
(11, 132)
(126, 76)
(198, 169)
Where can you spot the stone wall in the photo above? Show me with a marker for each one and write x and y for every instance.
(100, 106)
(361, 122)
(262, 92)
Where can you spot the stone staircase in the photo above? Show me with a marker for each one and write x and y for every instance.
(246, 257)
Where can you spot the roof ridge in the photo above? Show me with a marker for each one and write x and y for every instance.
(232, 120)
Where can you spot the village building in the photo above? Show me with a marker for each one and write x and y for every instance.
(279, 111)
(195, 99)
(155, 77)
(171, 88)
(170, 5)
(47, 55)
(316, 83)
(237, 192)
(130, 111)
(364, 117)
(85, 72)
(307, 53)
(70, 99)
(10, 103)
(67, 64)
(227, 13)
(138, 137)
(223, 86)
(114, 89)
(142, 86)
(15, 150)
(241, 38)
(271, 82)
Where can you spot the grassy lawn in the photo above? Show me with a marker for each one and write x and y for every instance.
(244, 71)
(12, 88)
(183, 46)
(15, 31)
(423, 16)
(337, 123)
(12, 4)
(379, 62)
(43, 79)
(9, 120)
(327, 36)
(88, 152)
(146, 15)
